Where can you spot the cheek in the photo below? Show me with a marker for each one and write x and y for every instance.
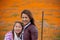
(14, 28)
(20, 29)
(28, 20)
(17, 30)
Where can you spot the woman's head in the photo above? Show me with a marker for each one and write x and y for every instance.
(17, 27)
(27, 17)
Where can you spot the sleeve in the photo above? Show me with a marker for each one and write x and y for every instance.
(7, 38)
(34, 33)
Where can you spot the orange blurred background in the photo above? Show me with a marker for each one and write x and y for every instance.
(10, 11)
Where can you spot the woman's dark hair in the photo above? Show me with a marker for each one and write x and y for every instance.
(29, 14)
(13, 28)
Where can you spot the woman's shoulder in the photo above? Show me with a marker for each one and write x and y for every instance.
(32, 27)
(8, 33)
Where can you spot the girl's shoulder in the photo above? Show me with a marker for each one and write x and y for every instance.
(8, 33)
(8, 36)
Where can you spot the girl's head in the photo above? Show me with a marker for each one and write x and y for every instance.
(26, 16)
(17, 27)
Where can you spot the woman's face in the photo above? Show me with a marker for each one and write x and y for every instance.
(25, 19)
(17, 28)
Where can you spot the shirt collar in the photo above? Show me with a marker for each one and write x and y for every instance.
(27, 25)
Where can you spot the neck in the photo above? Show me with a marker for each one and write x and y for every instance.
(17, 34)
(27, 23)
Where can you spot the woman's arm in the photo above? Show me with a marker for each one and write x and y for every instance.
(34, 33)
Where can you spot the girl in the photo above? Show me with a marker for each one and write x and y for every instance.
(15, 34)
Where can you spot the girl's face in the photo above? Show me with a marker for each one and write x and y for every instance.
(17, 28)
(25, 19)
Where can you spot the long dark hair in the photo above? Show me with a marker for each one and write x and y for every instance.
(13, 28)
(29, 14)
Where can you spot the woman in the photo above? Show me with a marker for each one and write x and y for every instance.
(15, 34)
(30, 31)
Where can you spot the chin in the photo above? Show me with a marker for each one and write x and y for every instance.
(25, 23)
(18, 32)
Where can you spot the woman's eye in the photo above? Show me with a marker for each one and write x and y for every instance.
(25, 17)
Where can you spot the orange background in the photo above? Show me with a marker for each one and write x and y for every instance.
(10, 12)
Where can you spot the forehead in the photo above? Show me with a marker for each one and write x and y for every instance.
(24, 15)
(18, 24)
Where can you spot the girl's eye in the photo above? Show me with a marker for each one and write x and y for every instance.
(22, 17)
(16, 26)
(19, 27)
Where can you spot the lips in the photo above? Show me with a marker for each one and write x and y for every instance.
(24, 20)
